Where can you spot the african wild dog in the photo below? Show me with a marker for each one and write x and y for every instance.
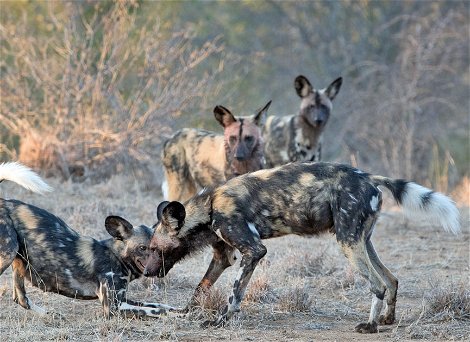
(298, 137)
(195, 158)
(43, 249)
(298, 198)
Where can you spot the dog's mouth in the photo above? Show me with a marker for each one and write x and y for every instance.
(140, 265)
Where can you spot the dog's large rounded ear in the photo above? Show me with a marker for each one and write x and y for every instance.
(118, 227)
(302, 86)
(173, 215)
(160, 208)
(259, 118)
(224, 116)
(333, 88)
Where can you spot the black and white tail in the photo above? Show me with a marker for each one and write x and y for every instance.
(24, 176)
(418, 200)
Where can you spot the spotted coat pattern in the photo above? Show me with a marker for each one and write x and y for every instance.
(297, 198)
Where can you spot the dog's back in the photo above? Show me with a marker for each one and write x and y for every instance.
(192, 158)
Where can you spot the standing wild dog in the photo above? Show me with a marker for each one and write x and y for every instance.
(298, 137)
(43, 249)
(297, 198)
(195, 158)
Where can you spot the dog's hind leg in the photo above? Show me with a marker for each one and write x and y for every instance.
(391, 282)
(8, 243)
(357, 253)
(19, 292)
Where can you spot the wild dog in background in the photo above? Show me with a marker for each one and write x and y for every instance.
(43, 249)
(297, 198)
(195, 158)
(298, 137)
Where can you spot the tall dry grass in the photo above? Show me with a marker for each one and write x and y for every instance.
(96, 93)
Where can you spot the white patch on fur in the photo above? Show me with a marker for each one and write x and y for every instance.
(202, 191)
(110, 274)
(148, 311)
(165, 190)
(439, 208)
(352, 197)
(163, 306)
(374, 203)
(344, 211)
(252, 227)
(24, 176)
(359, 172)
(375, 309)
(284, 156)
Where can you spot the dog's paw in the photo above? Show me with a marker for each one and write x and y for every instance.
(367, 328)
(219, 322)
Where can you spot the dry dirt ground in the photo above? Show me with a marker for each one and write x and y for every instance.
(304, 290)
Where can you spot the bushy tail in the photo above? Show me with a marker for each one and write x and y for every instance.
(417, 200)
(24, 176)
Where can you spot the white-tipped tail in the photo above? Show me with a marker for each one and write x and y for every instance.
(24, 176)
(432, 206)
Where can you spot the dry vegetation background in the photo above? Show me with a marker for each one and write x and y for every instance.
(89, 90)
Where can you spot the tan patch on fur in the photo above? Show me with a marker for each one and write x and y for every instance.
(85, 252)
(27, 217)
(18, 267)
(306, 179)
(212, 151)
(264, 174)
(206, 283)
(223, 204)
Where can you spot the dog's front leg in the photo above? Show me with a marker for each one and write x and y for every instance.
(223, 257)
(250, 257)
(19, 292)
(145, 309)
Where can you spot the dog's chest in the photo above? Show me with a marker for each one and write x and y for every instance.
(305, 145)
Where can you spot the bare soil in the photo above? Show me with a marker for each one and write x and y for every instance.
(304, 290)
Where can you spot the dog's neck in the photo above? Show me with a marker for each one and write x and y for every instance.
(306, 134)
(117, 248)
(196, 233)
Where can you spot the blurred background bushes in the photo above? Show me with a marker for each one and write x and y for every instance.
(92, 88)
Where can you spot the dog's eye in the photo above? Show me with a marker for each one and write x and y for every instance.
(249, 139)
(143, 248)
(232, 139)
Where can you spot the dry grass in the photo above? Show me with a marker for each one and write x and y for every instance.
(461, 193)
(209, 304)
(260, 290)
(296, 299)
(449, 302)
(98, 93)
